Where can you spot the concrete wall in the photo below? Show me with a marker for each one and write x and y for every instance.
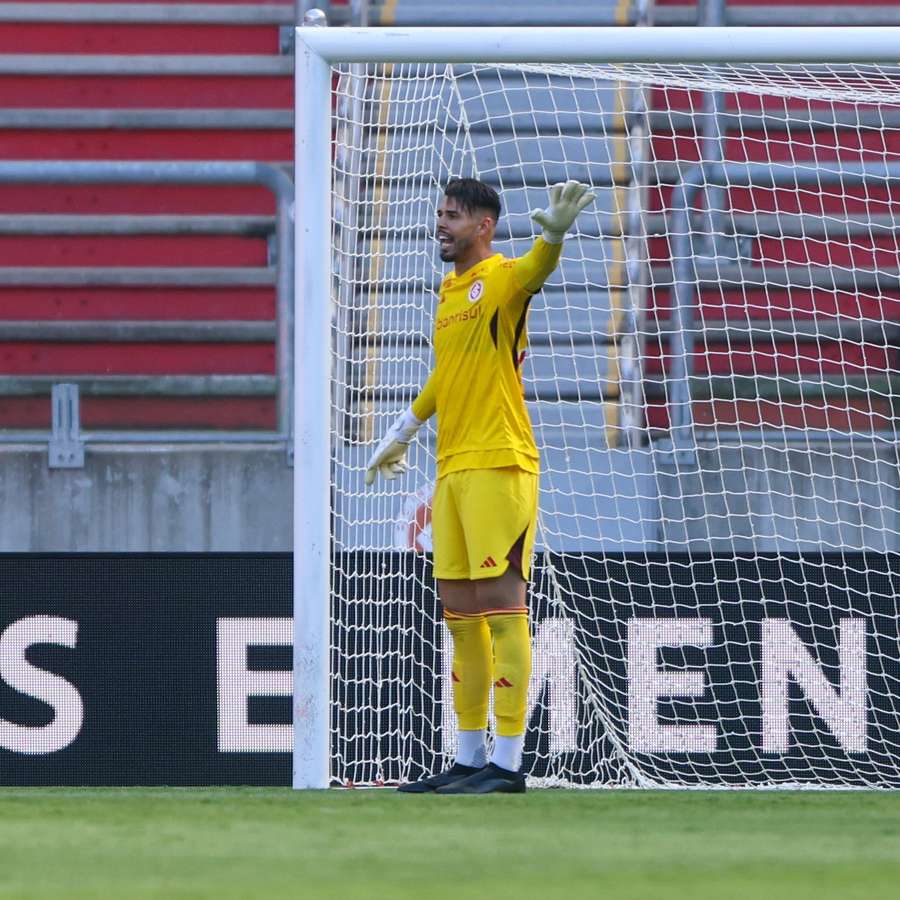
(239, 498)
(147, 498)
(734, 499)
(821, 497)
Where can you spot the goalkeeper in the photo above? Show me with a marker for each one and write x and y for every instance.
(484, 510)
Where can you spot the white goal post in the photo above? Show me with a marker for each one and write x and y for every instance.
(661, 655)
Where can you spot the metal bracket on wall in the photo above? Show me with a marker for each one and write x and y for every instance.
(286, 40)
(66, 449)
(669, 453)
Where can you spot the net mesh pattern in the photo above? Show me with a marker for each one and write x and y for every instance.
(712, 382)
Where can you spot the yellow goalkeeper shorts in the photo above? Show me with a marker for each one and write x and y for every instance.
(483, 521)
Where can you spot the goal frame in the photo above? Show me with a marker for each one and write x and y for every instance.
(317, 49)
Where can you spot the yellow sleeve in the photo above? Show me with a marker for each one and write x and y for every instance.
(425, 404)
(532, 269)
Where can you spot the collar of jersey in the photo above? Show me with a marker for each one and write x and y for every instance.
(452, 277)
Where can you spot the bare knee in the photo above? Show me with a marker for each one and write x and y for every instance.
(458, 595)
(508, 591)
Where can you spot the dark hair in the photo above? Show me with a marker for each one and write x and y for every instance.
(472, 194)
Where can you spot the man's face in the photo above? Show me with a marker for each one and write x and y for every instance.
(458, 230)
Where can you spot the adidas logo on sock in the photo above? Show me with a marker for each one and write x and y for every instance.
(503, 683)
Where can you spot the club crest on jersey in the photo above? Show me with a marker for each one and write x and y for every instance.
(476, 291)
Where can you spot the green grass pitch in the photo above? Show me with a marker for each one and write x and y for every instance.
(264, 843)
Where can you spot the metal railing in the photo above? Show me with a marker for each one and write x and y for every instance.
(287, 13)
(185, 173)
(687, 279)
(141, 119)
(151, 13)
(120, 65)
(524, 12)
(771, 14)
(611, 12)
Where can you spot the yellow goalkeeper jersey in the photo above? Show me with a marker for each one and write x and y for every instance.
(480, 334)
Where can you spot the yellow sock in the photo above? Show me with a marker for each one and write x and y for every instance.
(512, 669)
(472, 669)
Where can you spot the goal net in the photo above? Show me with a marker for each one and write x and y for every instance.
(712, 383)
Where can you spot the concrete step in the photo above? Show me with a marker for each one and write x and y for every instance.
(138, 37)
(55, 91)
(257, 145)
(144, 411)
(160, 358)
(164, 250)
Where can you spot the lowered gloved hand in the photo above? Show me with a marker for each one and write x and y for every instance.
(566, 201)
(389, 457)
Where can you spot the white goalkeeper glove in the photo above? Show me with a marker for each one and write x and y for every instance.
(389, 457)
(566, 201)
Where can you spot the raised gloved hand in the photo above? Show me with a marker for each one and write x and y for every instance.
(566, 201)
(389, 457)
